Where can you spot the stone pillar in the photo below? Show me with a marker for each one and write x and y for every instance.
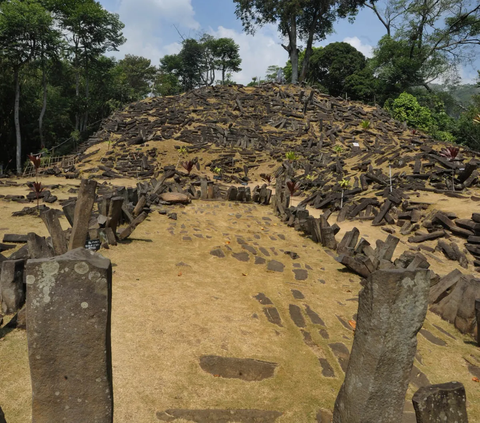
(68, 332)
(2, 416)
(83, 210)
(442, 403)
(391, 310)
(12, 290)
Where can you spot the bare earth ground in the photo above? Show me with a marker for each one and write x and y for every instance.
(174, 302)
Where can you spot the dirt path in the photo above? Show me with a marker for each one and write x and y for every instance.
(186, 288)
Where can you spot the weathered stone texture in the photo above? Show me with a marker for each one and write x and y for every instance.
(441, 403)
(391, 311)
(68, 332)
(12, 290)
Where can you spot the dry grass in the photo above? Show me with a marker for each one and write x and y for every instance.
(166, 315)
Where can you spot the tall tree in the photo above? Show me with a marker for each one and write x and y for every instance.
(305, 20)
(138, 74)
(91, 31)
(227, 56)
(23, 27)
(425, 39)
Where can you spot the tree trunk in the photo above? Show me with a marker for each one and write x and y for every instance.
(223, 75)
(77, 96)
(308, 49)
(292, 48)
(17, 121)
(44, 106)
(87, 93)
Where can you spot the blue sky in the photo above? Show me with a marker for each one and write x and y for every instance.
(150, 32)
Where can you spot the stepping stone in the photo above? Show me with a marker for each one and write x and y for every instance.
(308, 267)
(273, 238)
(444, 331)
(324, 334)
(266, 219)
(264, 251)
(220, 416)
(275, 266)
(342, 353)
(273, 316)
(281, 236)
(418, 378)
(262, 299)
(250, 248)
(257, 236)
(344, 323)
(300, 274)
(217, 253)
(260, 260)
(272, 249)
(474, 370)
(321, 281)
(238, 368)
(187, 238)
(243, 256)
(297, 294)
(292, 254)
(198, 235)
(241, 241)
(296, 315)
(297, 265)
(432, 338)
(327, 369)
(314, 317)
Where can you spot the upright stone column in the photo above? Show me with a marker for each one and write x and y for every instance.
(441, 403)
(68, 332)
(391, 311)
(12, 291)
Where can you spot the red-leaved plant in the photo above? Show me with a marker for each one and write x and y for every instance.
(188, 166)
(293, 187)
(267, 178)
(450, 153)
(37, 189)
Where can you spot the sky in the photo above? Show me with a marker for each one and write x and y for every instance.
(154, 28)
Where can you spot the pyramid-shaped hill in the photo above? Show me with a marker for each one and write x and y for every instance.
(232, 127)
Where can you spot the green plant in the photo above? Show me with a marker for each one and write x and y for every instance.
(291, 156)
(338, 148)
(182, 151)
(310, 177)
(344, 184)
(217, 170)
(365, 124)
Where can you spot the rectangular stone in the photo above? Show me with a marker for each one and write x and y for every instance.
(83, 209)
(68, 333)
(59, 241)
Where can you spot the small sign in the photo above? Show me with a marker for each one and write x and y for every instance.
(356, 144)
(93, 244)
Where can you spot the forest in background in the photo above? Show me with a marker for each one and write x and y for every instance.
(57, 81)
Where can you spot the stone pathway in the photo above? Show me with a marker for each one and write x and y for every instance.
(225, 314)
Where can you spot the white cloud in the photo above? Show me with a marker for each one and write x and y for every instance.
(147, 22)
(257, 51)
(366, 49)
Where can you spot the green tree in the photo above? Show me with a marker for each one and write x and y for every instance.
(424, 40)
(137, 74)
(305, 20)
(331, 65)
(92, 31)
(227, 57)
(406, 108)
(24, 25)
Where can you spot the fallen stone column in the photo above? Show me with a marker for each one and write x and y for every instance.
(441, 403)
(391, 311)
(68, 332)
